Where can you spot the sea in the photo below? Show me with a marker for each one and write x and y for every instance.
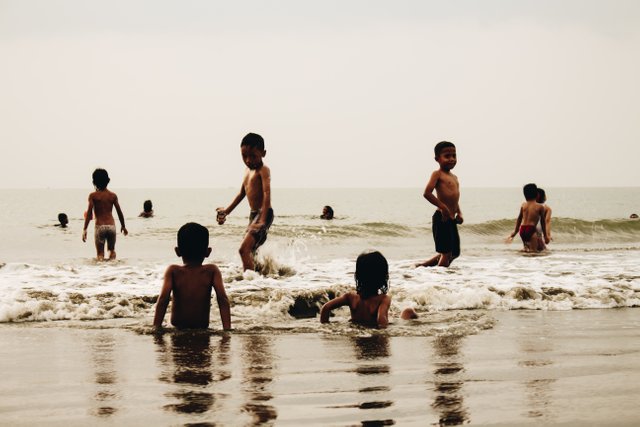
(47, 274)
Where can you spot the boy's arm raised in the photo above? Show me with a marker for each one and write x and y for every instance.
(163, 298)
(328, 307)
(223, 300)
(120, 216)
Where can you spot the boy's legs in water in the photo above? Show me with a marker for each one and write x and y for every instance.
(111, 245)
(99, 250)
(440, 260)
(247, 252)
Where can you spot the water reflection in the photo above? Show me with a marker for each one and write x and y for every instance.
(373, 351)
(188, 363)
(106, 395)
(535, 360)
(257, 356)
(448, 381)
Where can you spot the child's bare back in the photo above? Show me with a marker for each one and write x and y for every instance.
(191, 287)
(372, 311)
(102, 202)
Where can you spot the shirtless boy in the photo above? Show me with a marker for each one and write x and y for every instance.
(256, 185)
(191, 284)
(531, 212)
(101, 203)
(446, 218)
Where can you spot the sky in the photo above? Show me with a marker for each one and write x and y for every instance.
(346, 93)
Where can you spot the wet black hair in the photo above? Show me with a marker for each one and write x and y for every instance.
(530, 191)
(147, 206)
(62, 217)
(100, 178)
(253, 140)
(329, 214)
(542, 196)
(193, 240)
(372, 274)
(441, 146)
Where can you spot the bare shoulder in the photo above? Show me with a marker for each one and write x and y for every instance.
(172, 268)
(211, 268)
(265, 171)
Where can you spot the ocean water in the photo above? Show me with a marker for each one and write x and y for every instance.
(48, 274)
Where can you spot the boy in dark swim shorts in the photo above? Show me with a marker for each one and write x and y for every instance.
(531, 213)
(448, 215)
(256, 185)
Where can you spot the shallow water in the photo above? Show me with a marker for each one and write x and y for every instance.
(532, 368)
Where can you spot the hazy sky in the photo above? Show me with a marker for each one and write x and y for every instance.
(345, 93)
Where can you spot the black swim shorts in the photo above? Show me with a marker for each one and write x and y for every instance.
(445, 235)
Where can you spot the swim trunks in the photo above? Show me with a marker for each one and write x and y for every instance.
(526, 232)
(260, 235)
(106, 232)
(445, 235)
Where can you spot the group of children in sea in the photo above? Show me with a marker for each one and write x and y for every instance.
(189, 285)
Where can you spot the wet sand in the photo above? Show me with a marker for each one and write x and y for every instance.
(532, 368)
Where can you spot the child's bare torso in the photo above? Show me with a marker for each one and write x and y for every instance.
(364, 311)
(191, 295)
(532, 212)
(103, 201)
(448, 190)
(252, 184)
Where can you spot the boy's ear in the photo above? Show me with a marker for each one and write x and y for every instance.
(208, 252)
(264, 153)
(178, 251)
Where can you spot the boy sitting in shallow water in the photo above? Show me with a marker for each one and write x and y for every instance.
(370, 303)
(191, 284)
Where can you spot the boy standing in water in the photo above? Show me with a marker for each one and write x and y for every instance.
(191, 284)
(101, 203)
(256, 185)
(531, 212)
(445, 220)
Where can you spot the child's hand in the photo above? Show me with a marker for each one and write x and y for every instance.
(459, 219)
(446, 214)
(221, 215)
(509, 239)
(84, 235)
(124, 231)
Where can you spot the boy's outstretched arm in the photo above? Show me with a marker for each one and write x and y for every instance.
(123, 229)
(87, 219)
(383, 312)
(428, 194)
(223, 300)
(328, 307)
(164, 297)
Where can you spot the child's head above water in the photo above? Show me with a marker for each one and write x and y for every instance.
(372, 274)
(530, 191)
(62, 219)
(147, 206)
(193, 242)
(100, 178)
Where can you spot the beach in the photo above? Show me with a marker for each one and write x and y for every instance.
(530, 368)
(502, 338)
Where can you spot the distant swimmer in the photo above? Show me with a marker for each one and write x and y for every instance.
(63, 220)
(327, 212)
(633, 216)
(101, 204)
(445, 220)
(147, 209)
(531, 213)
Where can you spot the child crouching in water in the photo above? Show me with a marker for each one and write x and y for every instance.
(369, 305)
